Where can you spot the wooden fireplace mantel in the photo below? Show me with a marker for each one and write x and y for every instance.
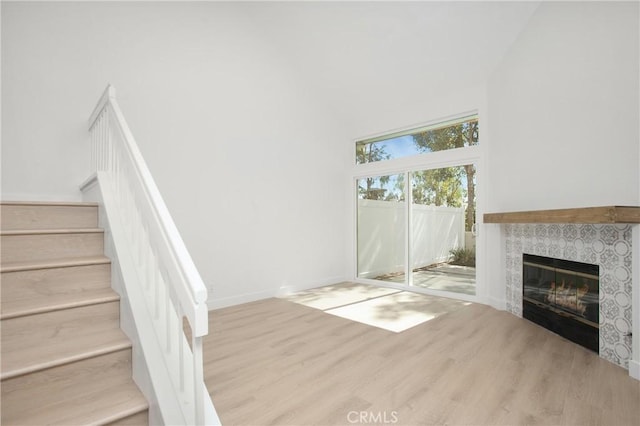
(606, 214)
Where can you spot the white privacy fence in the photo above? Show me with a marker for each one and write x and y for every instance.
(382, 240)
(156, 265)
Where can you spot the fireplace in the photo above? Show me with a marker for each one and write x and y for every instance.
(562, 296)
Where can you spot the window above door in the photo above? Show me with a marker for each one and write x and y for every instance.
(459, 133)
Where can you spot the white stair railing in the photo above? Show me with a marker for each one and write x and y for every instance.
(162, 267)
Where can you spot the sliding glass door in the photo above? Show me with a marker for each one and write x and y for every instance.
(416, 224)
(382, 226)
(442, 241)
(429, 233)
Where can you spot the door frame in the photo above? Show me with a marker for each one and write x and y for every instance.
(426, 161)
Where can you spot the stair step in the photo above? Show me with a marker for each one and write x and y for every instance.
(31, 265)
(30, 291)
(34, 342)
(42, 245)
(43, 304)
(99, 391)
(47, 215)
(49, 231)
(138, 419)
(64, 358)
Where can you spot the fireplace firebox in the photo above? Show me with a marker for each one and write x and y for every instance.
(562, 296)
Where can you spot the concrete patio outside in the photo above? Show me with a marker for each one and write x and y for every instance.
(444, 277)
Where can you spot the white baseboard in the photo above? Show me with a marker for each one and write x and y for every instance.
(224, 302)
(288, 289)
(634, 369)
(499, 304)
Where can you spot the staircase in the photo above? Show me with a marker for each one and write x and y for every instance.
(64, 358)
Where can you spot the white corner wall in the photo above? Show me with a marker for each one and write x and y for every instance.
(564, 117)
(249, 162)
(563, 110)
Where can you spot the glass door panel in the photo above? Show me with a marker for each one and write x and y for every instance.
(382, 245)
(442, 244)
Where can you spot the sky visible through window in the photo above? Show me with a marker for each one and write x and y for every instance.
(453, 134)
(438, 137)
(399, 147)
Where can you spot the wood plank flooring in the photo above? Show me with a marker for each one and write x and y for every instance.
(274, 362)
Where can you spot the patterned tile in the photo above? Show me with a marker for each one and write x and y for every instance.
(608, 246)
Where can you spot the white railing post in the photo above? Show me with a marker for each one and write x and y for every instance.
(198, 378)
(164, 271)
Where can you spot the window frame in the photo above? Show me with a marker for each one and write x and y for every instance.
(421, 161)
(411, 130)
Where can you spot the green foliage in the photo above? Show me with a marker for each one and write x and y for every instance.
(382, 188)
(438, 187)
(370, 152)
(450, 137)
(371, 188)
(463, 257)
(442, 186)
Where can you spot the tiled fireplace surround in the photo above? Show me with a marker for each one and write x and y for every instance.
(608, 246)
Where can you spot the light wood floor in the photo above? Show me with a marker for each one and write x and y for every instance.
(274, 362)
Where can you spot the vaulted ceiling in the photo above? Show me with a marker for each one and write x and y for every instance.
(358, 54)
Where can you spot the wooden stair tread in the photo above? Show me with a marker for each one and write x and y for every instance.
(54, 263)
(24, 246)
(51, 231)
(137, 419)
(99, 392)
(64, 359)
(104, 407)
(27, 358)
(122, 401)
(39, 341)
(40, 303)
(33, 291)
(49, 203)
(21, 216)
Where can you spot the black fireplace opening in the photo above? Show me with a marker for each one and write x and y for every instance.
(562, 296)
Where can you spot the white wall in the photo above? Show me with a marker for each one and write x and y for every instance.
(563, 117)
(249, 161)
(375, 59)
(202, 78)
(564, 112)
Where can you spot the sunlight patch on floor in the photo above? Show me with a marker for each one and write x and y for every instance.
(336, 295)
(389, 309)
